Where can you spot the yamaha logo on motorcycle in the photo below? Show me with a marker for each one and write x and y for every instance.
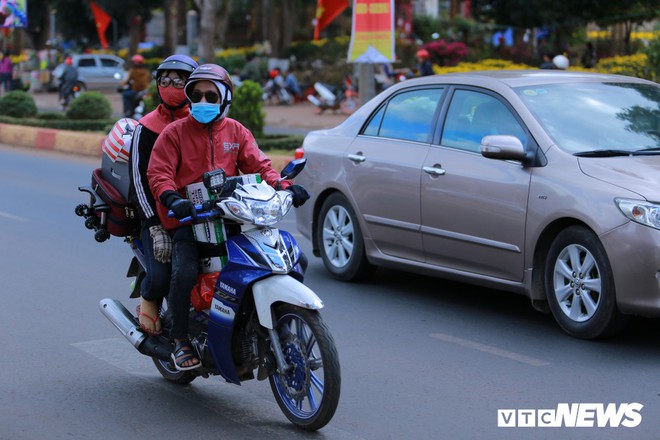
(262, 318)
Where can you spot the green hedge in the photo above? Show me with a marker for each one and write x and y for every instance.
(101, 125)
(280, 142)
(18, 104)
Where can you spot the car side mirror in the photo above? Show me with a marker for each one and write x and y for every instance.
(503, 147)
(293, 168)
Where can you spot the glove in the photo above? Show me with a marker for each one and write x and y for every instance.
(183, 208)
(300, 195)
(162, 244)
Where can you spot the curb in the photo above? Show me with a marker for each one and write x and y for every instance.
(74, 142)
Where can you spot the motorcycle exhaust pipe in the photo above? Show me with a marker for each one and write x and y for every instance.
(124, 321)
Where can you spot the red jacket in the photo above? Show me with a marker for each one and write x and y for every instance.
(186, 149)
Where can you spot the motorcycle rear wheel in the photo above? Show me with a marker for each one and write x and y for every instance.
(309, 394)
(171, 374)
(167, 368)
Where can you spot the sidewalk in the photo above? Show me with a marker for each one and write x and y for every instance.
(295, 119)
(280, 119)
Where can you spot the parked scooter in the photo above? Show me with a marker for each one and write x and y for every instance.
(334, 98)
(260, 315)
(275, 93)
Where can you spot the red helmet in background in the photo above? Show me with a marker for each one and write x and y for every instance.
(137, 59)
(68, 61)
(422, 53)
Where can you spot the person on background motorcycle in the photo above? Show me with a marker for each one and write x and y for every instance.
(138, 80)
(68, 80)
(425, 65)
(206, 140)
(171, 76)
(291, 83)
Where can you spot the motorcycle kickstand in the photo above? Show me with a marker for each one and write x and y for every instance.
(277, 350)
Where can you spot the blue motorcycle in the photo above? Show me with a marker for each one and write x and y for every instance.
(262, 318)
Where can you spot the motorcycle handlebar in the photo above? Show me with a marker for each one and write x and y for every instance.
(205, 210)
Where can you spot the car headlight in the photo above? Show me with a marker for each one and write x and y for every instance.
(645, 213)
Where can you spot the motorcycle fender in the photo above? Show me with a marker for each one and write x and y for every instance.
(281, 288)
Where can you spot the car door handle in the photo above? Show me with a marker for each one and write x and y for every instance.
(434, 170)
(357, 158)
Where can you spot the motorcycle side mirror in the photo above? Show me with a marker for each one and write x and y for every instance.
(215, 180)
(293, 168)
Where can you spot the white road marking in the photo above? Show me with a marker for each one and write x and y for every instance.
(13, 217)
(490, 349)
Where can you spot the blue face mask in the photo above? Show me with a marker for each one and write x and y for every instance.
(204, 112)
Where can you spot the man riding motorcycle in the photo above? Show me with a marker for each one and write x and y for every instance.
(185, 150)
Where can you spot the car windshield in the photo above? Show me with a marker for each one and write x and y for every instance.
(592, 117)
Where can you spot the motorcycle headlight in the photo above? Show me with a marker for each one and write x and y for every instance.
(645, 213)
(239, 210)
(287, 201)
(265, 212)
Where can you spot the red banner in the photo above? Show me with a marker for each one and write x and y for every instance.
(326, 11)
(102, 20)
(372, 37)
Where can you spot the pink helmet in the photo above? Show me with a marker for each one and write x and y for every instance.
(422, 53)
(137, 59)
(209, 72)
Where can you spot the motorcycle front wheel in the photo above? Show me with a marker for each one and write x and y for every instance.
(308, 393)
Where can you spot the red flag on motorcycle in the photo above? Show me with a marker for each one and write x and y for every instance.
(326, 11)
(102, 20)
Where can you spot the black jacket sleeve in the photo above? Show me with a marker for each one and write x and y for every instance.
(142, 143)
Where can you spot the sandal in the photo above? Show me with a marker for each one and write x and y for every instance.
(151, 324)
(184, 352)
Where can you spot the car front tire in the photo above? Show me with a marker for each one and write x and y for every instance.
(340, 240)
(579, 285)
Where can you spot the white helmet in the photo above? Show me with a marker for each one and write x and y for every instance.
(561, 62)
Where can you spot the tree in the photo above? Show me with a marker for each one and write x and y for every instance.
(563, 17)
(623, 15)
(38, 31)
(222, 21)
(76, 22)
(207, 9)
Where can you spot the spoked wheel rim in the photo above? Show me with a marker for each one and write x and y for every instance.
(577, 283)
(338, 236)
(302, 388)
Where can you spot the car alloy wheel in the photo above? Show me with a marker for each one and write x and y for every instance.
(340, 240)
(580, 285)
(338, 236)
(577, 283)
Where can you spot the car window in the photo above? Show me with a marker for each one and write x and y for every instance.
(473, 115)
(408, 116)
(374, 124)
(109, 63)
(86, 62)
(583, 117)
